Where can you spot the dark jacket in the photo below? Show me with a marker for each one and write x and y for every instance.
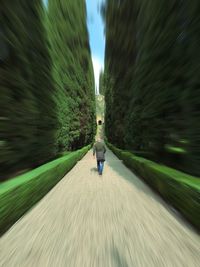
(100, 150)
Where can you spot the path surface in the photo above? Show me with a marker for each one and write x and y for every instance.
(92, 221)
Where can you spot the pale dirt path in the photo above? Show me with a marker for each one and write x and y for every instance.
(93, 221)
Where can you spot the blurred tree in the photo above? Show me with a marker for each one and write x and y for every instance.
(47, 100)
(151, 89)
(102, 83)
(155, 104)
(26, 96)
(191, 98)
(120, 55)
(73, 73)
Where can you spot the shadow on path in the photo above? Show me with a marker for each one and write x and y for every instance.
(94, 169)
(116, 164)
(125, 173)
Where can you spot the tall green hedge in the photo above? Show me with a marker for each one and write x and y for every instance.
(152, 85)
(120, 55)
(27, 107)
(73, 73)
(47, 102)
(178, 188)
(18, 195)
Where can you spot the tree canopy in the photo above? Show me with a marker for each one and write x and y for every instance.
(152, 87)
(47, 101)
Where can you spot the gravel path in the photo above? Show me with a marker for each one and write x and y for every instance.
(91, 221)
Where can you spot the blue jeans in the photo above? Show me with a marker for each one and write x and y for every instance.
(100, 165)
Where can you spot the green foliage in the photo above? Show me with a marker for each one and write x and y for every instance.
(18, 195)
(120, 56)
(176, 150)
(73, 73)
(47, 101)
(27, 107)
(102, 83)
(152, 85)
(100, 103)
(180, 189)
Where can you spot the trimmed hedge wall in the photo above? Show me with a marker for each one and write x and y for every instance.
(19, 194)
(178, 188)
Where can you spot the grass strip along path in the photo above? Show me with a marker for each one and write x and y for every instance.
(19, 194)
(180, 189)
(87, 220)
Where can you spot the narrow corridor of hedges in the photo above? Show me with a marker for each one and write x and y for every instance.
(47, 102)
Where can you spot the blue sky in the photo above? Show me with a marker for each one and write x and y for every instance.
(96, 28)
(97, 40)
(45, 2)
(96, 35)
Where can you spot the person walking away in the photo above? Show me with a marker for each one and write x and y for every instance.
(100, 150)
